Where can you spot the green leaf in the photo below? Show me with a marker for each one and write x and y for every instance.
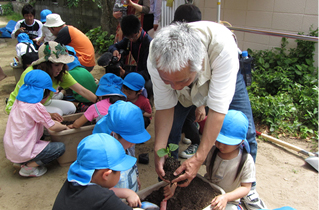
(162, 152)
(172, 147)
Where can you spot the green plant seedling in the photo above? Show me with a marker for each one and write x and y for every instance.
(171, 147)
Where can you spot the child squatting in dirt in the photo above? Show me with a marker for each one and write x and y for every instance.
(228, 165)
(21, 140)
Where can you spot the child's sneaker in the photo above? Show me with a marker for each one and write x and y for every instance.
(189, 152)
(32, 171)
(186, 140)
(252, 201)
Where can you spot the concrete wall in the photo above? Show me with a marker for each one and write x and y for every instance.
(85, 17)
(290, 16)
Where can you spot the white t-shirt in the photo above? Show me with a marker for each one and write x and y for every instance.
(215, 86)
(48, 36)
(21, 49)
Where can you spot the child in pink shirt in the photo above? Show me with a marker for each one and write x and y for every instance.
(22, 143)
(133, 86)
(109, 91)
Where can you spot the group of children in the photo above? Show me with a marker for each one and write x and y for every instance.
(105, 169)
(94, 179)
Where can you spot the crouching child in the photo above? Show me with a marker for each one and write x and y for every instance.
(22, 140)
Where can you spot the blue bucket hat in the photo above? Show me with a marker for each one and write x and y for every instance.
(43, 15)
(76, 61)
(234, 128)
(110, 84)
(126, 119)
(98, 151)
(134, 81)
(35, 82)
(23, 37)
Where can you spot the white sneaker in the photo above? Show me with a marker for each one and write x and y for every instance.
(186, 141)
(32, 171)
(252, 201)
(189, 152)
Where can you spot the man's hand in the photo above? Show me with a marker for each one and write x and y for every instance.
(159, 162)
(191, 167)
(117, 54)
(56, 116)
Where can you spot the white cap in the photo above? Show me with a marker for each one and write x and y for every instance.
(54, 20)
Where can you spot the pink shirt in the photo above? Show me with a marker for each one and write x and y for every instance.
(24, 129)
(103, 107)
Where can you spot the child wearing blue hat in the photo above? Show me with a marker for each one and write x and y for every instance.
(109, 91)
(229, 164)
(125, 123)
(21, 140)
(91, 178)
(26, 52)
(133, 87)
(46, 33)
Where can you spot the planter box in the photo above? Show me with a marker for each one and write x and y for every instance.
(71, 139)
(147, 191)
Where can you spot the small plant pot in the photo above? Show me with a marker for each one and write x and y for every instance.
(71, 138)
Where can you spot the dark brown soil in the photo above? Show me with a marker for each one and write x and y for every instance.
(71, 122)
(170, 166)
(196, 196)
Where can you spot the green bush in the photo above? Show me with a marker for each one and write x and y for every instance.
(7, 9)
(284, 92)
(101, 40)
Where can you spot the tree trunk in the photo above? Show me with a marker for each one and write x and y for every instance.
(108, 22)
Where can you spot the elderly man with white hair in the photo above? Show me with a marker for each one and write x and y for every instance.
(195, 64)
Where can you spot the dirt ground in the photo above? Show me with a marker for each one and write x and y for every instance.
(283, 177)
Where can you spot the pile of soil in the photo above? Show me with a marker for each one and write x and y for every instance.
(196, 196)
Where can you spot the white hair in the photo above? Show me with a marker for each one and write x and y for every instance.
(176, 46)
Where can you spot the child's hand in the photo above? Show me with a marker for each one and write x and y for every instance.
(133, 200)
(56, 116)
(169, 191)
(219, 202)
(70, 126)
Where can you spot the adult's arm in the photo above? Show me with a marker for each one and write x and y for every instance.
(191, 166)
(143, 7)
(84, 92)
(163, 125)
